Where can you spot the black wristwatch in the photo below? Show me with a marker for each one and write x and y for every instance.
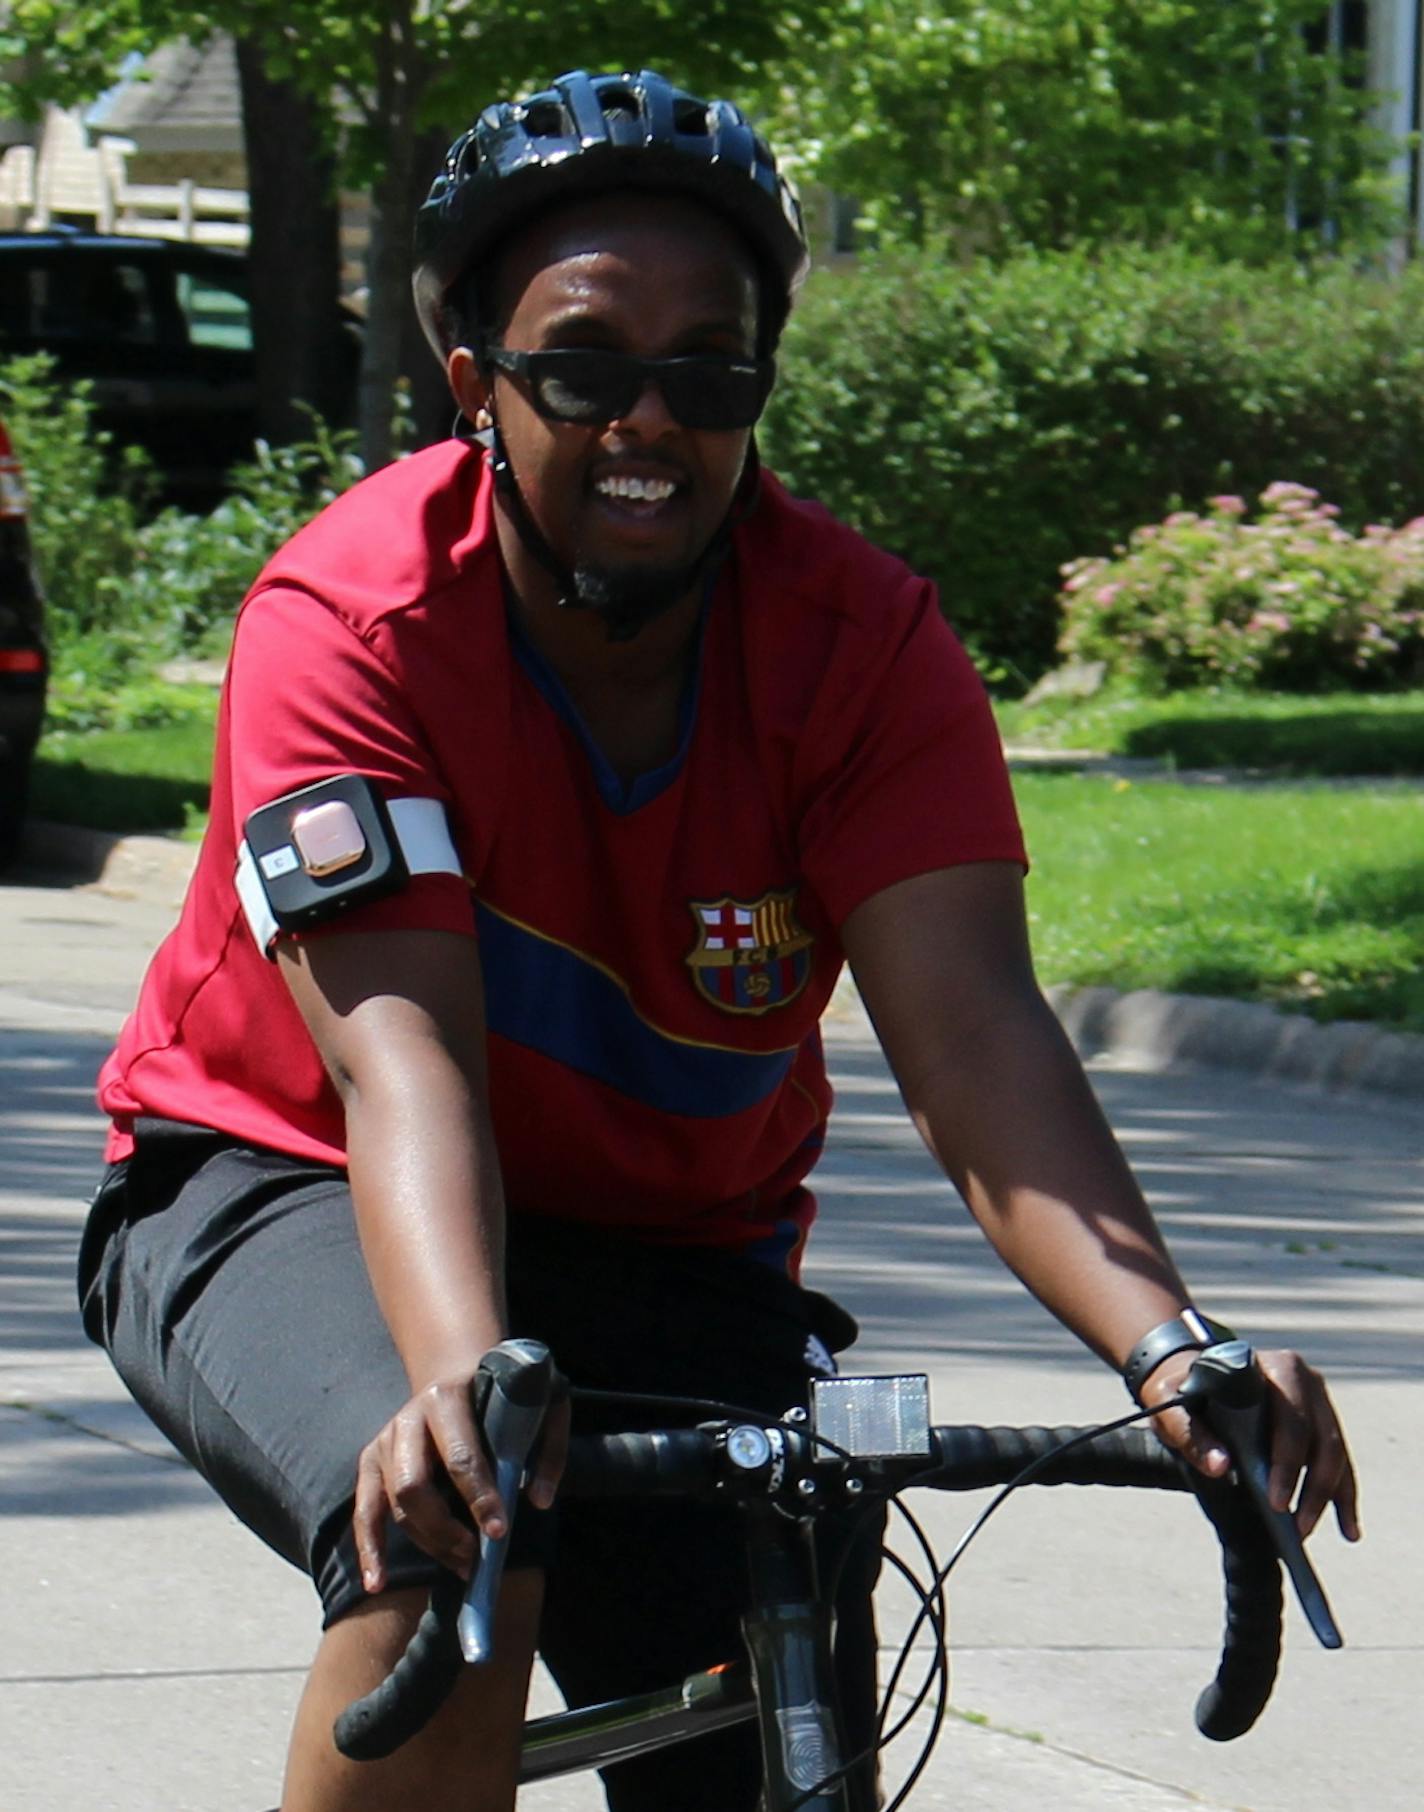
(1189, 1329)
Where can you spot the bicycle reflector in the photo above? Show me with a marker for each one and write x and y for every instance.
(874, 1418)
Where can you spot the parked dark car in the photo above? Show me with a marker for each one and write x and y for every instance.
(163, 330)
(24, 664)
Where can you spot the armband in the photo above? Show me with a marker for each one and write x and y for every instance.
(1189, 1330)
(315, 853)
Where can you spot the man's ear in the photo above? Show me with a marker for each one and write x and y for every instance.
(467, 386)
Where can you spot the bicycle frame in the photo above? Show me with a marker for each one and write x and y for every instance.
(790, 1689)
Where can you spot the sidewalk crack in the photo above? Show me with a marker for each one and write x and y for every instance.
(98, 1434)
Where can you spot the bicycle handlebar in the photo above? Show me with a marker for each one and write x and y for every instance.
(695, 1463)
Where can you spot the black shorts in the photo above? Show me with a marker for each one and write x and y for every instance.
(228, 1287)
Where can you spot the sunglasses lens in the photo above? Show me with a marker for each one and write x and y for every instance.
(591, 387)
(583, 386)
(715, 393)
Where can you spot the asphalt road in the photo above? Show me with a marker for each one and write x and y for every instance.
(151, 1652)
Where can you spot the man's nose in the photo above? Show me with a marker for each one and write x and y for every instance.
(648, 416)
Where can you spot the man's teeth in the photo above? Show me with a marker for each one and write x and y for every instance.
(638, 490)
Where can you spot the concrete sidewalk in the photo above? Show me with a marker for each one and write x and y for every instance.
(152, 1652)
(1147, 1028)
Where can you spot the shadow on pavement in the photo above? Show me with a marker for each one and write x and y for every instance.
(51, 1139)
(57, 1459)
(55, 1468)
(1299, 1215)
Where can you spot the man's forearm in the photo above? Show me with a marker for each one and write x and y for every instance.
(430, 1211)
(1018, 1130)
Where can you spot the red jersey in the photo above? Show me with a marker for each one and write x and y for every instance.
(656, 955)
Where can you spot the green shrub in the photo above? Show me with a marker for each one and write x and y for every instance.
(1290, 601)
(93, 688)
(191, 572)
(124, 588)
(86, 497)
(993, 423)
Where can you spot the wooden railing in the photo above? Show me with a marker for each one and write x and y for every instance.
(178, 210)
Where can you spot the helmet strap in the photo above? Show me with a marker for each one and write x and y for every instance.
(535, 541)
(623, 623)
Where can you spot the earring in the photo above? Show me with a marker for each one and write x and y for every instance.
(483, 420)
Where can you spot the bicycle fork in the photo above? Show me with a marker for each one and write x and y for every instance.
(788, 1633)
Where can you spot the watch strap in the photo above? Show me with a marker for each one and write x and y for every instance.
(1190, 1329)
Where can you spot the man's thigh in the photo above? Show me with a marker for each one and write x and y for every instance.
(235, 1305)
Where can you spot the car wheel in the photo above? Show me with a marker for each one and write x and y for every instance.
(14, 791)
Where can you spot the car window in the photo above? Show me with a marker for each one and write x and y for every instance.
(82, 299)
(216, 315)
(16, 308)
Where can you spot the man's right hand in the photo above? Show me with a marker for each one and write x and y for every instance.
(431, 1444)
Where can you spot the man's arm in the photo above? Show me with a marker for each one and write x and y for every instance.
(398, 1017)
(943, 965)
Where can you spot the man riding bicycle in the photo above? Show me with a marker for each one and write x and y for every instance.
(560, 768)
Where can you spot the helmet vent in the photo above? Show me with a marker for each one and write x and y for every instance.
(691, 117)
(582, 137)
(546, 119)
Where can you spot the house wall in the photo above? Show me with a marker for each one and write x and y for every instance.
(1394, 67)
(210, 169)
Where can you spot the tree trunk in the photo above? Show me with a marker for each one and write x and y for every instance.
(303, 354)
(401, 75)
(432, 406)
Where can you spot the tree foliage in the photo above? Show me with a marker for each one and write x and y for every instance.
(991, 422)
(388, 74)
(985, 124)
(971, 125)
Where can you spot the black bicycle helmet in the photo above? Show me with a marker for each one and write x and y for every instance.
(585, 135)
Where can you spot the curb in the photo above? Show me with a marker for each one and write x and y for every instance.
(1161, 1031)
(1155, 1031)
(130, 867)
(1145, 1028)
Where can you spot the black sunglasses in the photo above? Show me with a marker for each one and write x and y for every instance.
(706, 391)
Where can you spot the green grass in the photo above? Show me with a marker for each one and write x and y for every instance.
(1338, 733)
(124, 780)
(1308, 897)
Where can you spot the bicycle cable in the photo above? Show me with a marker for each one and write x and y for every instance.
(932, 1604)
(929, 1597)
(939, 1628)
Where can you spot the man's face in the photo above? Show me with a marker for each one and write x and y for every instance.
(635, 501)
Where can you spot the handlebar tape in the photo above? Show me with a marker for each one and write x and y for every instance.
(1230, 1392)
(515, 1383)
(970, 1458)
(1251, 1632)
(1251, 1635)
(416, 1687)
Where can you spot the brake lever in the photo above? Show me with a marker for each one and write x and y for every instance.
(1226, 1388)
(520, 1378)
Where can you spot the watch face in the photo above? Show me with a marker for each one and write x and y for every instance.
(328, 837)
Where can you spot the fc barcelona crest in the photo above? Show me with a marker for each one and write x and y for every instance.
(749, 957)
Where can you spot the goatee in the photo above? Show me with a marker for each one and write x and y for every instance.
(628, 598)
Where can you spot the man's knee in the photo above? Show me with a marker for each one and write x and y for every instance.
(467, 1757)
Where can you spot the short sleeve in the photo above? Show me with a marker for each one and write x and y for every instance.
(309, 698)
(902, 770)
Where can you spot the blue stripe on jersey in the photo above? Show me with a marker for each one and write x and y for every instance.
(551, 999)
(776, 1249)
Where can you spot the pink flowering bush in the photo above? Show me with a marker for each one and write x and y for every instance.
(1288, 600)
